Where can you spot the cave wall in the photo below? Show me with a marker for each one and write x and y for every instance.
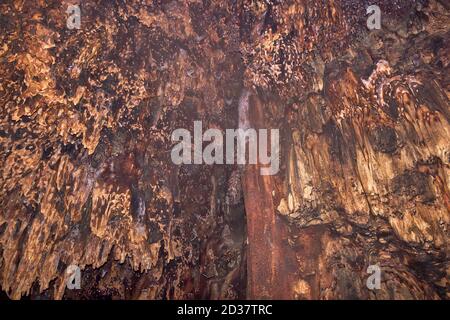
(85, 134)
(364, 116)
(86, 173)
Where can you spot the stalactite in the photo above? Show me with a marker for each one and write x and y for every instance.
(86, 176)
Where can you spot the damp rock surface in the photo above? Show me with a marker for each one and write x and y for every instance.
(86, 176)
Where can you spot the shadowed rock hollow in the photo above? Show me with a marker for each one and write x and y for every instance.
(86, 176)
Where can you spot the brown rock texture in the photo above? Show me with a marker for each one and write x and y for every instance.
(86, 176)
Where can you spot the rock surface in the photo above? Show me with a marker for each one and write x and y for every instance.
(86, 175)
